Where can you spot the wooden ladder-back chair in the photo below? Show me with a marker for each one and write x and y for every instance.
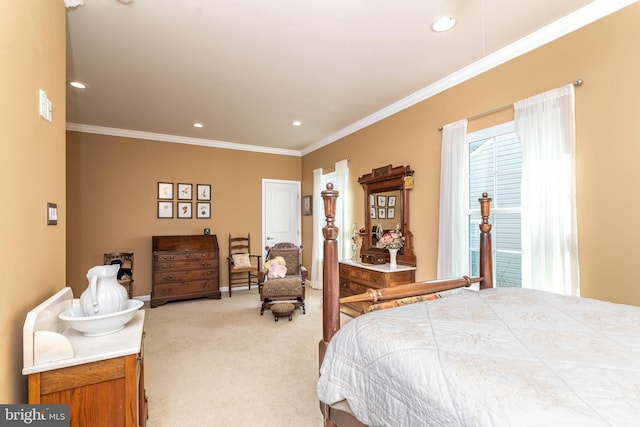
(243, 267)
(287, 288)
(125, 274)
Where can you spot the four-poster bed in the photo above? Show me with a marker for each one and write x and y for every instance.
(499, 356)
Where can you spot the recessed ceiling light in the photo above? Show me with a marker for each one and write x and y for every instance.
(78, 85)
(296, 123)
(444, 24)
(198, 125)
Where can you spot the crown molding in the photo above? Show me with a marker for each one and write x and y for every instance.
(572, 22)
(125, 133)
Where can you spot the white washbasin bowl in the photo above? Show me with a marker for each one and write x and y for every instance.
(93, 326)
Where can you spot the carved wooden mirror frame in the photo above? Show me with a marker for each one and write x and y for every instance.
(384, 180)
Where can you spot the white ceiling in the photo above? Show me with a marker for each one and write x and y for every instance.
(247, 68)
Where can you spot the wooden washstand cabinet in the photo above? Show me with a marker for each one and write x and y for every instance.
(107, 393)
(101, 378)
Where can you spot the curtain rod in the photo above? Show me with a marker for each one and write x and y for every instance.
(333, 165)
(504, 107)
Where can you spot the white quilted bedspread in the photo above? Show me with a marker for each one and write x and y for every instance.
(498, 357)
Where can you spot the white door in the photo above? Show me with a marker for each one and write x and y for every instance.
(280, 212)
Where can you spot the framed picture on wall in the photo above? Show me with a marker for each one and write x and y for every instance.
(184, 192)
(372, 200)
(203, 210)
(165, 209)
(184, 209)
(165, 190)
(373, 213)
(392, 201)
(382, 201)
(306, 205)
(391, 213)
(382, 213)
(204, 191)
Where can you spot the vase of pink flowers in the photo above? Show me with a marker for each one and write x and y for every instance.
(392, 241)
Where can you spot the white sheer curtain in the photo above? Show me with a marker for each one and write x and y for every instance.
(453, 258)
(545, 124)
(318, 223)
(342, 210)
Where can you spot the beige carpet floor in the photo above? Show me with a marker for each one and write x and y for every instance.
(219, 363)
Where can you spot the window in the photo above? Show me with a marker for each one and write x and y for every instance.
(328, 178)
(495, 167)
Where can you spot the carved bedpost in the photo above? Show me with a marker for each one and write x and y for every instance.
(330, 277)
(486, 270)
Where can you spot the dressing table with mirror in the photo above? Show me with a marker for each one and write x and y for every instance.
(386, 206)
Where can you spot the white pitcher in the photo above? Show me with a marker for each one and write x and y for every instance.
(104, 295)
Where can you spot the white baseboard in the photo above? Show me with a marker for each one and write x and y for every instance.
(223, 289)
(237, 288)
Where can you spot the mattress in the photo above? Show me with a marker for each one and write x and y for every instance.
(497, 357)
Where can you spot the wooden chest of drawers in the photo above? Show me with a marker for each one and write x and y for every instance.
(185, 267)
(356, 278)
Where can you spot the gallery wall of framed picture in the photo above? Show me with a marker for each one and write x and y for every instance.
(383, 206)
(382, 210)
(180, 200)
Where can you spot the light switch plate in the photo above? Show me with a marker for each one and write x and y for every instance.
(45, 106)
(52, 214)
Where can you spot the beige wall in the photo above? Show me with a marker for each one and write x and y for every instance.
(32, 57)
(608, 146)
(112, 196)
